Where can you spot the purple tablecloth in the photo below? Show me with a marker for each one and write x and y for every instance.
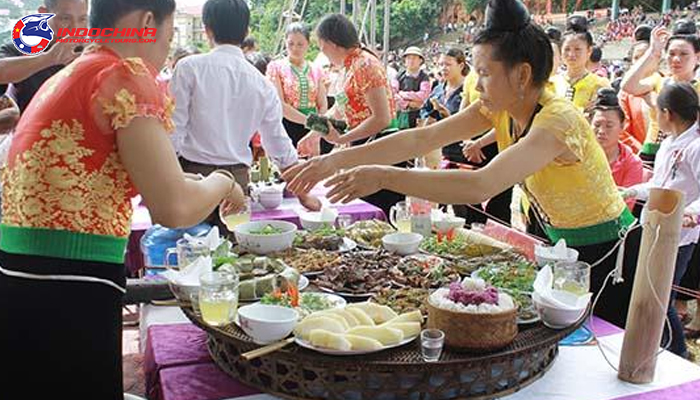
(177, 364)
(172, 346)
(290, 209)
(200, 382)
(686, 391)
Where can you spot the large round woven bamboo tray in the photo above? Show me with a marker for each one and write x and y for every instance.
(396, 374)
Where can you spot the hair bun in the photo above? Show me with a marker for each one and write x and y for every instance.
(506, 15)
(606, 98)
(642, 33)
(553, 33)
(684, 27)
(577, 23)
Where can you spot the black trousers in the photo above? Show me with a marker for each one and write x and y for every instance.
(691, 278)
(615, 299)
(60, 339)
(498, 206)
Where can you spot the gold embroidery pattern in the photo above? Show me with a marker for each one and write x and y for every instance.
(167, 118)
(123, 109)
(49, 186)
(136, 66)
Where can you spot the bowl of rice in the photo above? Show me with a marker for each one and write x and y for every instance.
(474, 316)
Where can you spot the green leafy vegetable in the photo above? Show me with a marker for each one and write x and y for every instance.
(267, 230)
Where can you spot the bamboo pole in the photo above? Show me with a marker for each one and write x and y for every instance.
(356, 12)
(363, 31)
(342, 7)
(373, 24)
(387, 15)
(652, 286)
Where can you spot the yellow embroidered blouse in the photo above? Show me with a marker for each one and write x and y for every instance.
(583, 92)
(65, 192)
(569, 194)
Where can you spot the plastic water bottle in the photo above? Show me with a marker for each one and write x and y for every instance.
(421, 221)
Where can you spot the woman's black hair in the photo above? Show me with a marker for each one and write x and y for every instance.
(228, 20)
(299, 27)
(642, 33)
(680, 99)
(684, 27)
(249, 43)
(339, 30)
(459, 56)
(606, 100)
(515, 39)
(106, 13)
(577, 27)
(691, 39)
(554, 34)
(259, 61)
(596, 54)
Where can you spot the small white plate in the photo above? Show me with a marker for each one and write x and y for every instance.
(303, 282)
(348, 245)
(331, 352)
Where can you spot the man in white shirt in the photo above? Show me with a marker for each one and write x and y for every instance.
(221, 101)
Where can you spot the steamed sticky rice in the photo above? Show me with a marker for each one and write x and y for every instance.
(471, 296)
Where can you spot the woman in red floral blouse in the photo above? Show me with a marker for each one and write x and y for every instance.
(366, 102)
(92, 138)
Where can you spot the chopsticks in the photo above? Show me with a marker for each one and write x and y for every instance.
(270, 348)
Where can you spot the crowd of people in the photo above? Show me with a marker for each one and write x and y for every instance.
(526, 106)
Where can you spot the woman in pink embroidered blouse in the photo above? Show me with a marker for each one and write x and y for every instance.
(608, 123)
(298, 82)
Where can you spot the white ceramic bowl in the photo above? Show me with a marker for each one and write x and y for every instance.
(265, 323)
(270, 200)
(402, 243)
(265, 244)
(556, 318)
(313, 221)
(543, 258)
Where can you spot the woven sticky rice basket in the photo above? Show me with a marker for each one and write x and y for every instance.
(477, 332)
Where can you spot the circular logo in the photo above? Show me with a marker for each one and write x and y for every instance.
(32, 34)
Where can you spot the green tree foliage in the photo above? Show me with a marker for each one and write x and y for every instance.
(410, 19)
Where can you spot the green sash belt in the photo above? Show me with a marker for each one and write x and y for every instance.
(62, 244)
(596, 234)
(650, 148)
(307, 110)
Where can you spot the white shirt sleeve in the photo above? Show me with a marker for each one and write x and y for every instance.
(693, 207)
(181, 90)
(274, 138)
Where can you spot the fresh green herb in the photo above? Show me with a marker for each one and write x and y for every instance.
(310, 302)
(267, 230)
(515, 279)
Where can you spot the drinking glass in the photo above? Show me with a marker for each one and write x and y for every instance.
(234, 219)
(400, 216)
(431, 343)
(572, 277)
(344, 221)
(186, 253)
(218, 298)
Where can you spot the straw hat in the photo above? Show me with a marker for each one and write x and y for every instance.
(413, 50)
